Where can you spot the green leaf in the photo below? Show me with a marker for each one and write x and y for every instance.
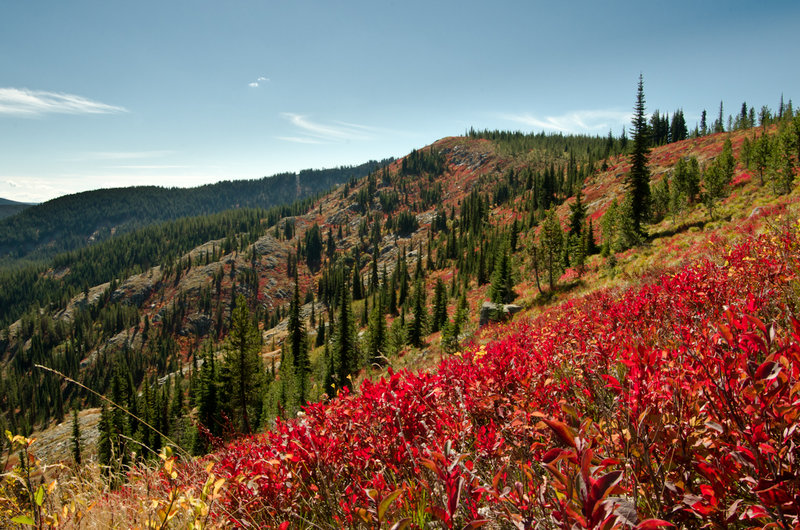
(23, 519)
(38, 497)
(386, 502)
(402, 524)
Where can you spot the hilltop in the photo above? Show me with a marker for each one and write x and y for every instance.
(448, 421)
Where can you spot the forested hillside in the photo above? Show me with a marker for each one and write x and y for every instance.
(9, 208)
(74, 221)
(352, 328)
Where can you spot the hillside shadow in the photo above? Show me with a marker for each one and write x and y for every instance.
(675, 230)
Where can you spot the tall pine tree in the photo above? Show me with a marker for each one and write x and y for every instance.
(638, 181)
(243, 366)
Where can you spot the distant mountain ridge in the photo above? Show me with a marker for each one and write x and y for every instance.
(73, 221)
(9, 207)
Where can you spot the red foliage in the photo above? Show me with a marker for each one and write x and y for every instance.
(675, 403)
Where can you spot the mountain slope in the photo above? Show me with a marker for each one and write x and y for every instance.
(441, 221)
(9, 208)
(73, 221)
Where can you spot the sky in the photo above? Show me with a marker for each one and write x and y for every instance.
(99, 94)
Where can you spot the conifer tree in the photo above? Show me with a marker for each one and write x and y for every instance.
(686, 179)
(288, 393)
(243, 366)
(345, 354)
(717, 178)
(76, 438)
(207, 399)
(513, 236)
(376, 335)
(416, 328)
(637, 183)
(439, 316)
(502, 288)
(299, 347)
(551, 239)
(106, 442)
(577, 213)
(782, 164)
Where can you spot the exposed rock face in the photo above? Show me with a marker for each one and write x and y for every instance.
(200, 324)
(497, 312)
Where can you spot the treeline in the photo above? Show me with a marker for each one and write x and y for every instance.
(74, 221)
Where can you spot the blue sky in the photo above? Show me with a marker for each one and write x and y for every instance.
(180, 93)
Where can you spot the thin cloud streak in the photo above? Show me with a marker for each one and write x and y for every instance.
(32, 103)
(576, 122)
(328, 133)
(299, 140)
(121, 155)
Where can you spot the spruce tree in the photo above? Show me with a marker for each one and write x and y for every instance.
(105, 445)
(376, 335)
(637, 183)
(551, 239)
(502, 288)
(243, 365)
(717, 178)
(439, 317)
(298, 344)
(76, 438)
(345, 349)
(577, 213)
(416, 328)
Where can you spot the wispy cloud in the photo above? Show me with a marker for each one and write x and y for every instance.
(299, 140)
(150, 166)
(31, 103)
(120, 155)
(579, 121)
(258, 82)
(314, 132)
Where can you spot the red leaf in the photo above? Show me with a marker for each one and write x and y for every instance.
(602, 486)
(651, 524)
(562, 431)
(768, 370)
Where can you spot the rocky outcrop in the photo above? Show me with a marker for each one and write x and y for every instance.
(491, 312)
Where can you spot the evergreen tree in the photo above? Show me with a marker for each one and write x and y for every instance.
(452, 330)
(502, 288)
(376, 335)
(782, 164)
(761, 154)
(638, 181)
(661, 198)
(417, 327)
(514, 235)
(287, 388)
(313, 246)
(76, 438)
(345, 354)
(686, 179)
(551, 239)
(717, 178)
(439, 316)
(577, 213)
(106, 442)
(299, 346)
(207, 400)
(678, 130)
(243, 366)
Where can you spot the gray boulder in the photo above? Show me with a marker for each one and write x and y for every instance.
(491, 312)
